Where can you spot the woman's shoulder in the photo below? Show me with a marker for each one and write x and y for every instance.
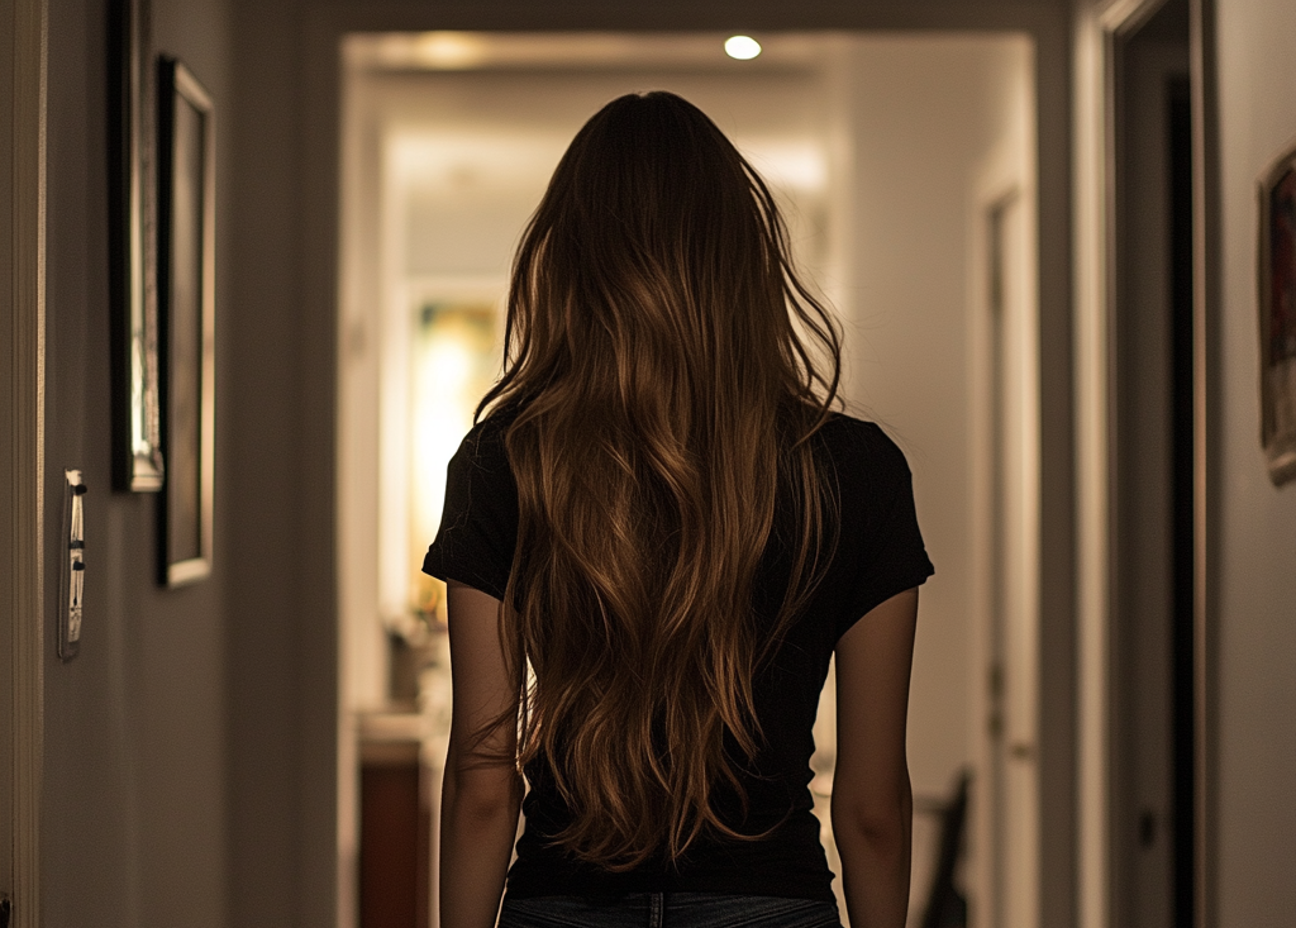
(858, 442)
(492, 426)
(483, 447)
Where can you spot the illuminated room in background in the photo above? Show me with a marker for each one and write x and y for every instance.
(454, 359)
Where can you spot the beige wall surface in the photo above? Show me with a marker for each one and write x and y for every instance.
(133, 811)
(1257, 531)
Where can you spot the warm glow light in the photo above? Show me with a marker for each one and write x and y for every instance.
(450, 50)
(742, 47)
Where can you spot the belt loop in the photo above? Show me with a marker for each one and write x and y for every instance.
(656, 910)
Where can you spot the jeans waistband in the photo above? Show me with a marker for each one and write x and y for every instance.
(667, 910)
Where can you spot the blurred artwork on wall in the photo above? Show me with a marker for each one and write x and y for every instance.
(137, 459)
(1277, 303)
(186, 271)
(455, 360)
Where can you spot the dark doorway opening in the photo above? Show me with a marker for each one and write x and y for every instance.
(1183, 524)
(1152, 823)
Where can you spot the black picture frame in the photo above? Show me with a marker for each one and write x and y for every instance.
(1277, 305)
(137, 458)
(187, 320)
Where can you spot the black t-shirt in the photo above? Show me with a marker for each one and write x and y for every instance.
(879, 553)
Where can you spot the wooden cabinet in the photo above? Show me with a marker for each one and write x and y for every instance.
(395, 826)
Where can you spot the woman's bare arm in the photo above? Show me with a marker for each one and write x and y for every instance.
(481, 793)
(872, 803)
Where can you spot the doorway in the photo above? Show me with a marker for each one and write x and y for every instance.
(1153, 752)
(876, 143)
(1143, 252)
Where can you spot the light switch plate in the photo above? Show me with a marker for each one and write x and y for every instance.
(73, 574)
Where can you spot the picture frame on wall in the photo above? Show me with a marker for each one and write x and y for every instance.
(1277, 304)
(187, 320)
(137, 459)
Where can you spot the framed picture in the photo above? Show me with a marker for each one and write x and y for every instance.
(136, 443)
(1277, 301)
(187, 319)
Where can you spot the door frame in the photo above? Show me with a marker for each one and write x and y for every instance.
(1099, 27)
(22, 434)
(1048, 27)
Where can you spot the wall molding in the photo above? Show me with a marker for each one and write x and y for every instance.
(22, 440)
(1207, 411)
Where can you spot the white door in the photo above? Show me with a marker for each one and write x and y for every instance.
(1006, 785)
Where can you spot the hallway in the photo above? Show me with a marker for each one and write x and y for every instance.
(187, 767)
(882, 149)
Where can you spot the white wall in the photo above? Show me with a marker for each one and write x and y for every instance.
(1257, 522)
(927, 111)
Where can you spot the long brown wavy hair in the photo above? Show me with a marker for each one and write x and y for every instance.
(664, 371)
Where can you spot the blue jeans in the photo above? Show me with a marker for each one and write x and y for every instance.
(667, 910)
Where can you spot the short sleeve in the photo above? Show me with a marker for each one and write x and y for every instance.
(879, 531)
(478, 532)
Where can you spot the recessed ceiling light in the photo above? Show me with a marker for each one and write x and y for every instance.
(742, 47)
